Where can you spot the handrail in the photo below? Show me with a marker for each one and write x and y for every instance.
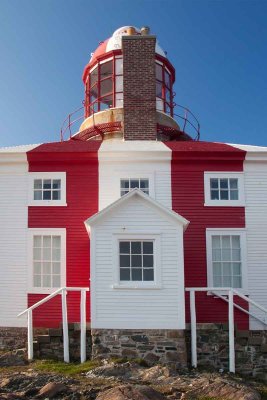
(63, 291)
(230, 293)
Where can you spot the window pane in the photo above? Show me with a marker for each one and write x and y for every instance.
(56, 254)
(216, 242)
(227, 269)
(37, 241)
(224, 194)
(236, 256)
(106, 87)
(224, 183)
(56, 241)
(47, 254)
(148, 247)
(119, 83)
(106, 69)
(143, 183)
(56, 281)
(217, 281)
(46, 241)
(125, 183)
(236, 242)
(148, 274)
(217, 269)
(47, 195)
(46, 268)
(37, 268)
(136, 247)
(216, 255)
(56, 268)
(236, 268)
(214, 195)
(226, 242)
(125, 247)
(137, 274)
(148, 261)
(158, 72)
(37, 183)
(214, 183)
(125, 274)
(226, 254)
(233, 183)
(37, 254)
(118, 66)
(134, 183)
(123, 192)
(37, 280)
(227, 281)
(47, 280)
(47, 184)
(56, 195)
(56, 183)
(125, 261)
(136, 261)
(233, 194)
(237, 282)
(37, 195)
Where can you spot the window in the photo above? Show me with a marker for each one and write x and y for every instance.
(224, 189)
(226, 258)
(163, 89)
(136, 260)
(47, 188)
(47, 254)
(128, 184)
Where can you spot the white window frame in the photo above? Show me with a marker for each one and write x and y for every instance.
(47, 175)
(243, 245)
(46, 231)
(156, 283)
(227, 175)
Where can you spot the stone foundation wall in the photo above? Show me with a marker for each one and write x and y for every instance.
(164, 346)
(213, 349)
(50, 345)
(12, 338)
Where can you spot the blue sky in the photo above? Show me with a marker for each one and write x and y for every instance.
(219, 50)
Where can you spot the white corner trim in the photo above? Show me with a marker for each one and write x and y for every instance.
(224, 203)
(243, 242)
(46, 231)
(47, 175)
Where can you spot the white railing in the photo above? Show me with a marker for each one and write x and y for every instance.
(230, 292)
(63, 291)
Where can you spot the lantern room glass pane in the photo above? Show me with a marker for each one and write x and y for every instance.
(158, 72)
(106, 69)
(105, 102)
(159, 104)
(119, 100)
(106, 87)
(93, 77)
(167, 79)
(159, 89)
(119, 83)
(118, 66)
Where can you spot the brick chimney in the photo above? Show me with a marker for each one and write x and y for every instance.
(139, 87)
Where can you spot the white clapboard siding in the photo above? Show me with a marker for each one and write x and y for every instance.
(137, 308)
(256, 226)
(134, 159)
(13, 243)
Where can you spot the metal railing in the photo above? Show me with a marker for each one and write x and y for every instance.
(63, 292)
(185, 118)
(230, 293)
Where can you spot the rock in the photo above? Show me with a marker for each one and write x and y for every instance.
(223, 390)
(4, 382)
(151, 359)
(13, 358)
(155, 373)
(128, 392)
(51, 389)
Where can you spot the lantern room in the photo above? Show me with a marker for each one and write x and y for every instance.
(103, 76)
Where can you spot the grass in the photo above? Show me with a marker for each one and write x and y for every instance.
(60, 367)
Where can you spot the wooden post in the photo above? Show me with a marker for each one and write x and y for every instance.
(30, 335)
(193, 329)
(83, 326)
(231, 332)
(65, 326)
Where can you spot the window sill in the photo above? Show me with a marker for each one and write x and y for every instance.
(47, 204)
(224, 204)
(137, 287)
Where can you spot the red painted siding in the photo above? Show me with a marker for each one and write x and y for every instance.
(189, 161)
(80, 162)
